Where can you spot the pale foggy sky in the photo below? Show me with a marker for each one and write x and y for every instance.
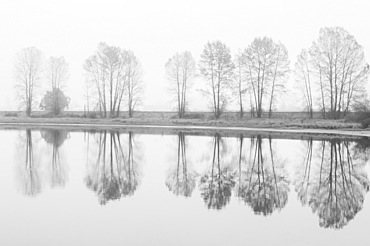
(155, 30)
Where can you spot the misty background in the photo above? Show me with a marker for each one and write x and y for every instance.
(155, 30)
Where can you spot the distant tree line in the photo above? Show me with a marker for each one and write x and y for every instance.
(329, 76)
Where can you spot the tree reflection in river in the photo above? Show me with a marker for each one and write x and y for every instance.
(56, 138)
(217, 184)
(263, 182)
(180, 180)
(115, 171)
(29, 166)
(334, 185)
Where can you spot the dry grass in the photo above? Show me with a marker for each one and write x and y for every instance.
(280, 120)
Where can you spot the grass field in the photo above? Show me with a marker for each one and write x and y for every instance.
(279, 120)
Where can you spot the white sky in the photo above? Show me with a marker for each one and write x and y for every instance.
(155, 30)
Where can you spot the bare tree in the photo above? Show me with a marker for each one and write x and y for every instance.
(133, 82)
(180, 70)
(303, 76)
(28, 69)
(57, 75)
(217, 68)
(105, 71)
(340, 69)
(240, 85)
(267, 66)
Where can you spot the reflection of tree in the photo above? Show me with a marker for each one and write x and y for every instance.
(58, 171)
(216, 186)
(29, 171)
(304, 177)
(115, 172)
(264, 184)
(337, 186)
(180, 180)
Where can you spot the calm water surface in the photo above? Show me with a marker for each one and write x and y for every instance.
(125, 188)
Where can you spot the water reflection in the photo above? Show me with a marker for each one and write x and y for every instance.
(28, 165)
(333, 184)
(330, 178)
(180, 180)
(115, 171)
(263, 182)
(217, 183)
(58, 172)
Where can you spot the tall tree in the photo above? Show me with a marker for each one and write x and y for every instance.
(105, 73)
(340, 69)
(28, 70)
(57, 75)
(303, 76)
(133, 81)
(180, 70)
(240, 87)
(217, 68)
(267, 66)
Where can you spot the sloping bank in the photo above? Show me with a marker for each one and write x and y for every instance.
(195, 130)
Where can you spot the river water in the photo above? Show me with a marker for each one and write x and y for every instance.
(132, 188)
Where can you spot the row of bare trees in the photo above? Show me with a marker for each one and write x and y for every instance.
(259, 72)
(33, 75)
(113, 75)
(330, 76)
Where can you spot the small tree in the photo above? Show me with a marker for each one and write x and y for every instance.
(54, 101)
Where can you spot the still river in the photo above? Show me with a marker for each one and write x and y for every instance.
(60, 187)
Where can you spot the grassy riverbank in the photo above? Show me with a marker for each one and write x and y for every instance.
(287, 120)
